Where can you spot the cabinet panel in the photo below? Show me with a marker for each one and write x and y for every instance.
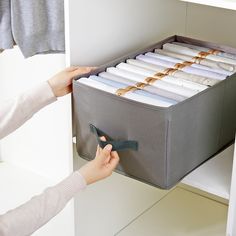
(103, 30)
(211, 24)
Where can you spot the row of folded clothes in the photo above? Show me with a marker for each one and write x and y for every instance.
(165, 76)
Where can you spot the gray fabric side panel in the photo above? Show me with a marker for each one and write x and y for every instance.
(122, 119)
(228, 126)
(194, 132)
(224, 48)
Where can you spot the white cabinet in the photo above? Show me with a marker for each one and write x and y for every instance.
(39, 153)
(231, 226)
(99, 31)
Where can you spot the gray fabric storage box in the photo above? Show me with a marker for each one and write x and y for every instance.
(171, 141)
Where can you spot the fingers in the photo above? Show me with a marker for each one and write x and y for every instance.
(103, 138)
(114, 162)
(105, 153)
(68, 89)
(71, 68)
(75, 71)
(81, 70)
(99, 149)
(114, 155)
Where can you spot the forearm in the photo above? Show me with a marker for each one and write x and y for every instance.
(15, 112)
(27, 218)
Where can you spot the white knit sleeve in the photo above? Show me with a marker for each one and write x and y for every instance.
(15, 112)
(29, 217)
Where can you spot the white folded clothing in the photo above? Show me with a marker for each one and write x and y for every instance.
(134, 89)
(202, 61)
(143, 86)
(187, 69)
(169, 79)
(175, 73)
(156, 83)
(193, 52)
(110, 76)
(205, 49)
(191, 64)
(128, 95)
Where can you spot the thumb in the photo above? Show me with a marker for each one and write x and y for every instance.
(105, 153)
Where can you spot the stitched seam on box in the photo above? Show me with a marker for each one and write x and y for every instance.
(166, 152)
(167, 138)
(222, 109)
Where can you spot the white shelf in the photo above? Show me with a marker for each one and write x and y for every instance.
(227, 4)
(214, 176)
(180, 213)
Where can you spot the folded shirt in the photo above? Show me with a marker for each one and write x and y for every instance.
(191, 64)
(119, 85)
(193, 52)
(156, 83)
(186, 69)
(175, 73)
(202, 61)
(210, 50)
(143, 86)
(169, 79)
(129, 95)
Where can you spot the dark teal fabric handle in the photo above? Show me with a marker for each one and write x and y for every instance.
(119, 145)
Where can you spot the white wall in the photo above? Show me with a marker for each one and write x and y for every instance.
(103, 30)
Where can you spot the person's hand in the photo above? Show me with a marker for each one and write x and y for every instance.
(61, 83)
(101, 166)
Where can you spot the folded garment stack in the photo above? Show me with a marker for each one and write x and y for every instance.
(182, 67)
(197, 53)
(130, 92)
(174, 72)
(199, 60)
(166, 76)
(159, 55)
(211, 51)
